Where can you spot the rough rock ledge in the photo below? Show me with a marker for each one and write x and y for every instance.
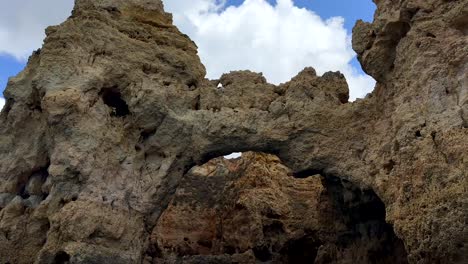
(108, 135)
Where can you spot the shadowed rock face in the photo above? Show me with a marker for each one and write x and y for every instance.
(101, 131)
(253, 209)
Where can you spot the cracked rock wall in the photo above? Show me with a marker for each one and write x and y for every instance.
(109, 116)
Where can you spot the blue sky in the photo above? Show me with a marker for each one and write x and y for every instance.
(9, 66)
(349, 10)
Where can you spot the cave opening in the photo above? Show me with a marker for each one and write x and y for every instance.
(113, 98)
(61, 257)
(253, 205)
(364, 215)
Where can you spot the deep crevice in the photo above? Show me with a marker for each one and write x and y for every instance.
(23, 193)
(196, 103)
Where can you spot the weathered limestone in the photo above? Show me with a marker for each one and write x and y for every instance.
(109, 117)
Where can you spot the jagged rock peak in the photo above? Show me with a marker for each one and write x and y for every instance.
(149, 5)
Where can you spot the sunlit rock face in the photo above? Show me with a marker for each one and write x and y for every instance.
(108, 135)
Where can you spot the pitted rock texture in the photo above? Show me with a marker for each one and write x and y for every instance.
(253, 209)
(105, 123)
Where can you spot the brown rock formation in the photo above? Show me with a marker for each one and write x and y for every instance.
(101, 131)
(253, 209)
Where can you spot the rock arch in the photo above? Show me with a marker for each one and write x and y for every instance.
(110, 178)
(254, 208)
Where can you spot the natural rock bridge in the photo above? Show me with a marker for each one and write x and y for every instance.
(101, 131)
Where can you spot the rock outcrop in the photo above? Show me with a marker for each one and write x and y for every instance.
(103, 134)
(253, 209)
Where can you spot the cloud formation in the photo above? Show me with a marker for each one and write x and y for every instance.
(2, 103)
(22, 24)
(277, 40)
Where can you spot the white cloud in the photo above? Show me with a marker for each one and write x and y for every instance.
(277, 40)
(22, 24)
(2, 103)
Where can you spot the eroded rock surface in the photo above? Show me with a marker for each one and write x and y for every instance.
(101, 131)
(253, 209)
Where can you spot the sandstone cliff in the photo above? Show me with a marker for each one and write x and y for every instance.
(103, 134)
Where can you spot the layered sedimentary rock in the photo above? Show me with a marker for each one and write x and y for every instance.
(103, 130)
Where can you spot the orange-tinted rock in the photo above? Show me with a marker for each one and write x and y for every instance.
(254, 205)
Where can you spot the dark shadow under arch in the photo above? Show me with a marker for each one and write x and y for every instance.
(351, 221)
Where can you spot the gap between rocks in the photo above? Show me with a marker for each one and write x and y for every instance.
(254, 207)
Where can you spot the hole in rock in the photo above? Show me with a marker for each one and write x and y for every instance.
(192, 84)
(430, 35)
(262, 253)
(113, 98)
(233, 155)
(302, 251)
(418, 134)
(256, 204)
(23, 192)
(31, 183)
(388, 167)
(61, 258)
